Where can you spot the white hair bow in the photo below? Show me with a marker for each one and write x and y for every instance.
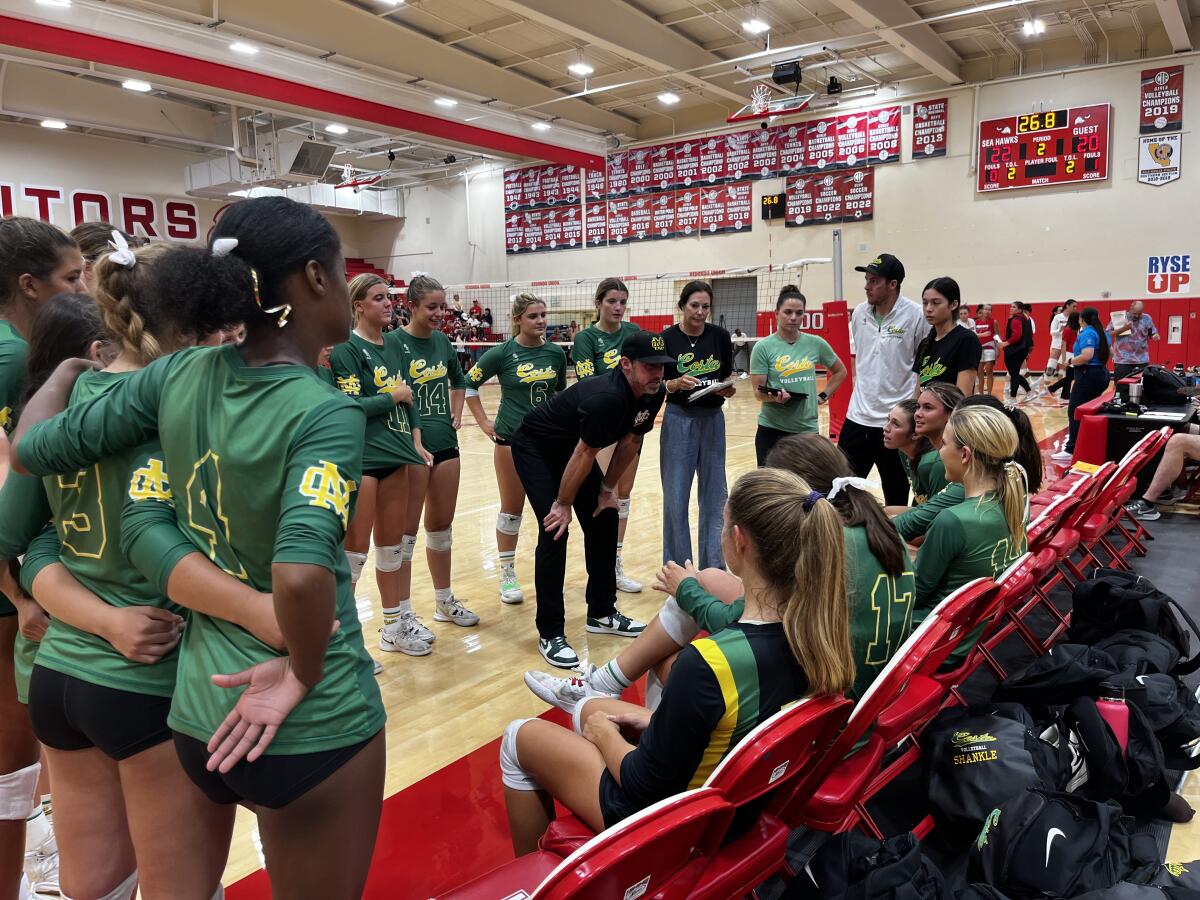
(121, 254)
(838, 483)
(419, 274)
(224, 246)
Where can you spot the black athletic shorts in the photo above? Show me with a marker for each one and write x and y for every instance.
(71, 714)
(272, 781)
(445, 455)
(381, 473)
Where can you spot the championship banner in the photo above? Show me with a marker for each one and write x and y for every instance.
(883, 136)
(641, 174)
(687, 212)
(858, 195)
(663, 216)
(821, 148)
(662, 167)
(641, 218)
(618, 221)
(1162, 100)
(514, 232)
(851, 140)
(687, 163)
(596, 223)
(764, 152)
(618, 174)
(1160, 159)
(737, 155)
(597, 184)
(814, 200)
(928, 138)
(712, 160)
(534, 230)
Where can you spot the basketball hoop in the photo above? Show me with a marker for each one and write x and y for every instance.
(763, 105)
(760, 98)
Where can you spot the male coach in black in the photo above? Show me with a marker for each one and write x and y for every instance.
(554, 452)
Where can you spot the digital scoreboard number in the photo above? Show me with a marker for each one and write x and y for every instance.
(1058, 146)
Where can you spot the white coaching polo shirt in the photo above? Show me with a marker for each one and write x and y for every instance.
(883, 359)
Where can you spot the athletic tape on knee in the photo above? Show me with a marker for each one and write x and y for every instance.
(123, 891)
(623, 508)
(511, 772)
(408, 544)
(389, 557)
(18, 793)
(357, 561)
(678, 625)
(507, 523)
(440, 540)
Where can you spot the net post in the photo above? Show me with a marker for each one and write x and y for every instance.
(837, 265)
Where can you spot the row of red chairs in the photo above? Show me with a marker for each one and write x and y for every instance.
(819, 762)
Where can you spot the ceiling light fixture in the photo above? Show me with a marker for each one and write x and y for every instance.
(239, 193)
(134, 84)
(756, 25)
(334, 128)
(56, 124)
(60, 3)
(243, 48)
(582, 69)
(668, 98)
(1034, 26)
(541, 126)
(446, 102)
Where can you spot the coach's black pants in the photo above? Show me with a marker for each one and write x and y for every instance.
(863, 446)
(1014, 358)
(541, 470)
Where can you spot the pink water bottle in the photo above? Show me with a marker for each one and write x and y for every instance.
(1113, 710)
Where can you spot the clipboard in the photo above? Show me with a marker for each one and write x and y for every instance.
(712, 388)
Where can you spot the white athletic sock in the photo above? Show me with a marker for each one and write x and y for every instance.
(443, 595)
(508, 559)
(37, 830)
(390, 615)
(609, 679)
(619, 545)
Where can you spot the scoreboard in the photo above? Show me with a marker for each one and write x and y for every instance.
(1058, 146)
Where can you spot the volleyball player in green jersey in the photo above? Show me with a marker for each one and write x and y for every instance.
(437, 379)
(306, 733)
(596, 351)
(919, 448)
(374, 372)
(880, 588)
(985, 533)
(530, 371)
(37, 261)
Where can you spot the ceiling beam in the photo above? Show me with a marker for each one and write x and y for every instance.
(483, 28)
(1177, 20)
(622, 29)
(920, 43)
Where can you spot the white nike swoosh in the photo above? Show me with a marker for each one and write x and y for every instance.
(1050, 836)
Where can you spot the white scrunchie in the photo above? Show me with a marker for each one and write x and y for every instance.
(838, 483)
(121, 254)
(419, 274)
(224, 246)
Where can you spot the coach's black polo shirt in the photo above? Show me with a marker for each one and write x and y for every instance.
(599, 411)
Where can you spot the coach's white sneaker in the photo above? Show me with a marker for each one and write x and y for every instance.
(1062, 456)
(414, 624)
(452, 610)
(558, 652)
(399, 638)
(564, 693)
(618, 623)
(510, 588)
(625, 584)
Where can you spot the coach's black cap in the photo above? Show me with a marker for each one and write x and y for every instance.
(884, 265)
(646, 347)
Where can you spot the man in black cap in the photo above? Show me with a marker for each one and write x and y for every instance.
(554, 452)
(887, 330)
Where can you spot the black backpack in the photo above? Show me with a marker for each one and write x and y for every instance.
(1058, 676)
(1178, 875)
(976, 757)
(1114, 600)
(857, 867)
(1140, 650)
(1172, 711)
(1113, 775)
(1048, 844)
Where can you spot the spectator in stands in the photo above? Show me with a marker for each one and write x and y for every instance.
(1090, 360)
(784, 540)
(456, 305)
(486, 318)
(887, 330)
(1161, 492)
(476, 309)
(1070, 332)
(986, 330)
(948, 353)
(1131, 339)
(1017, 345)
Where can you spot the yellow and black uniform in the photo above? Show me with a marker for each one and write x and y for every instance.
(597, 351)
(432, 368)
(942, 359)
(297, 449)
(721, 688)
(528, 376)
(927, 476)
(13, 351)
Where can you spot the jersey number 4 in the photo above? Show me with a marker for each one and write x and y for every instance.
(206, 514)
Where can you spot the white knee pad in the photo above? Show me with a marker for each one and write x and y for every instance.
(389, 557)
(623, 508)
(511, 772)
(654, 690)
(577, 715)
(123, 891)
(440, 540)
(18, 793)
(507, 523)
(678, 625)
(408, 544)
(357, 561)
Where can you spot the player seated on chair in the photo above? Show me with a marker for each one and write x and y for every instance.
(879, 576)
(1162, 492)
(784, 540)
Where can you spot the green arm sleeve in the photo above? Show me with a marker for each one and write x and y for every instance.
(12, 379)
(485, 369)
(43, 551)
(24, 512)
(759, 364)
(150, 536)
(711, 614)
(323, 469)
(916, 521)
(117, 420)
(584, 352)
(353, 378)
(943, 543)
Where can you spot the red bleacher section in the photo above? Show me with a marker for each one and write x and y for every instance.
(356, 266)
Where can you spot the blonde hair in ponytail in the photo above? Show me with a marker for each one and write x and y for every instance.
(801, 555)
(359, 286)
(993, 442)
(124, 296)
(521, 303)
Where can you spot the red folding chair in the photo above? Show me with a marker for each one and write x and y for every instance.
(831, 796)
(1067, 538)
(1105, 515)
(658, 853)
(1156, 441)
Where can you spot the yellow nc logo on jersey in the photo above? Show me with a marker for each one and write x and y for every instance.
(325, 487)
(786, 366)
(150, 482)
(528, 373)
(385, 382)
(349, 384)
(421, 372)
(5, 417)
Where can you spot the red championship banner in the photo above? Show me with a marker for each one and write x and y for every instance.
(737, 155)
(641, 176)
(662, 167)
(883, 136)
(712, 160)
(618, 221)
(792, 140)
(514, 232)
(560, 185)
(641, 218)
(764, 153)
(531, 192)
(663, 216)
(851, 140)
(535, 230)
(820, 151)
(712, 210)
(858, 194)
(569, 224)
(1162, 100)
(687, 212)
(552, 230)
(597, 184)
(687, 163)
(596, 224)
(801, 194)
(513, 188)
(929, 128)
(739, 201)
(618, 174)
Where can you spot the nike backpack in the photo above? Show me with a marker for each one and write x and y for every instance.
(853, 866)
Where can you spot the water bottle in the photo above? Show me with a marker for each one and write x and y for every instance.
(1113, 710)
